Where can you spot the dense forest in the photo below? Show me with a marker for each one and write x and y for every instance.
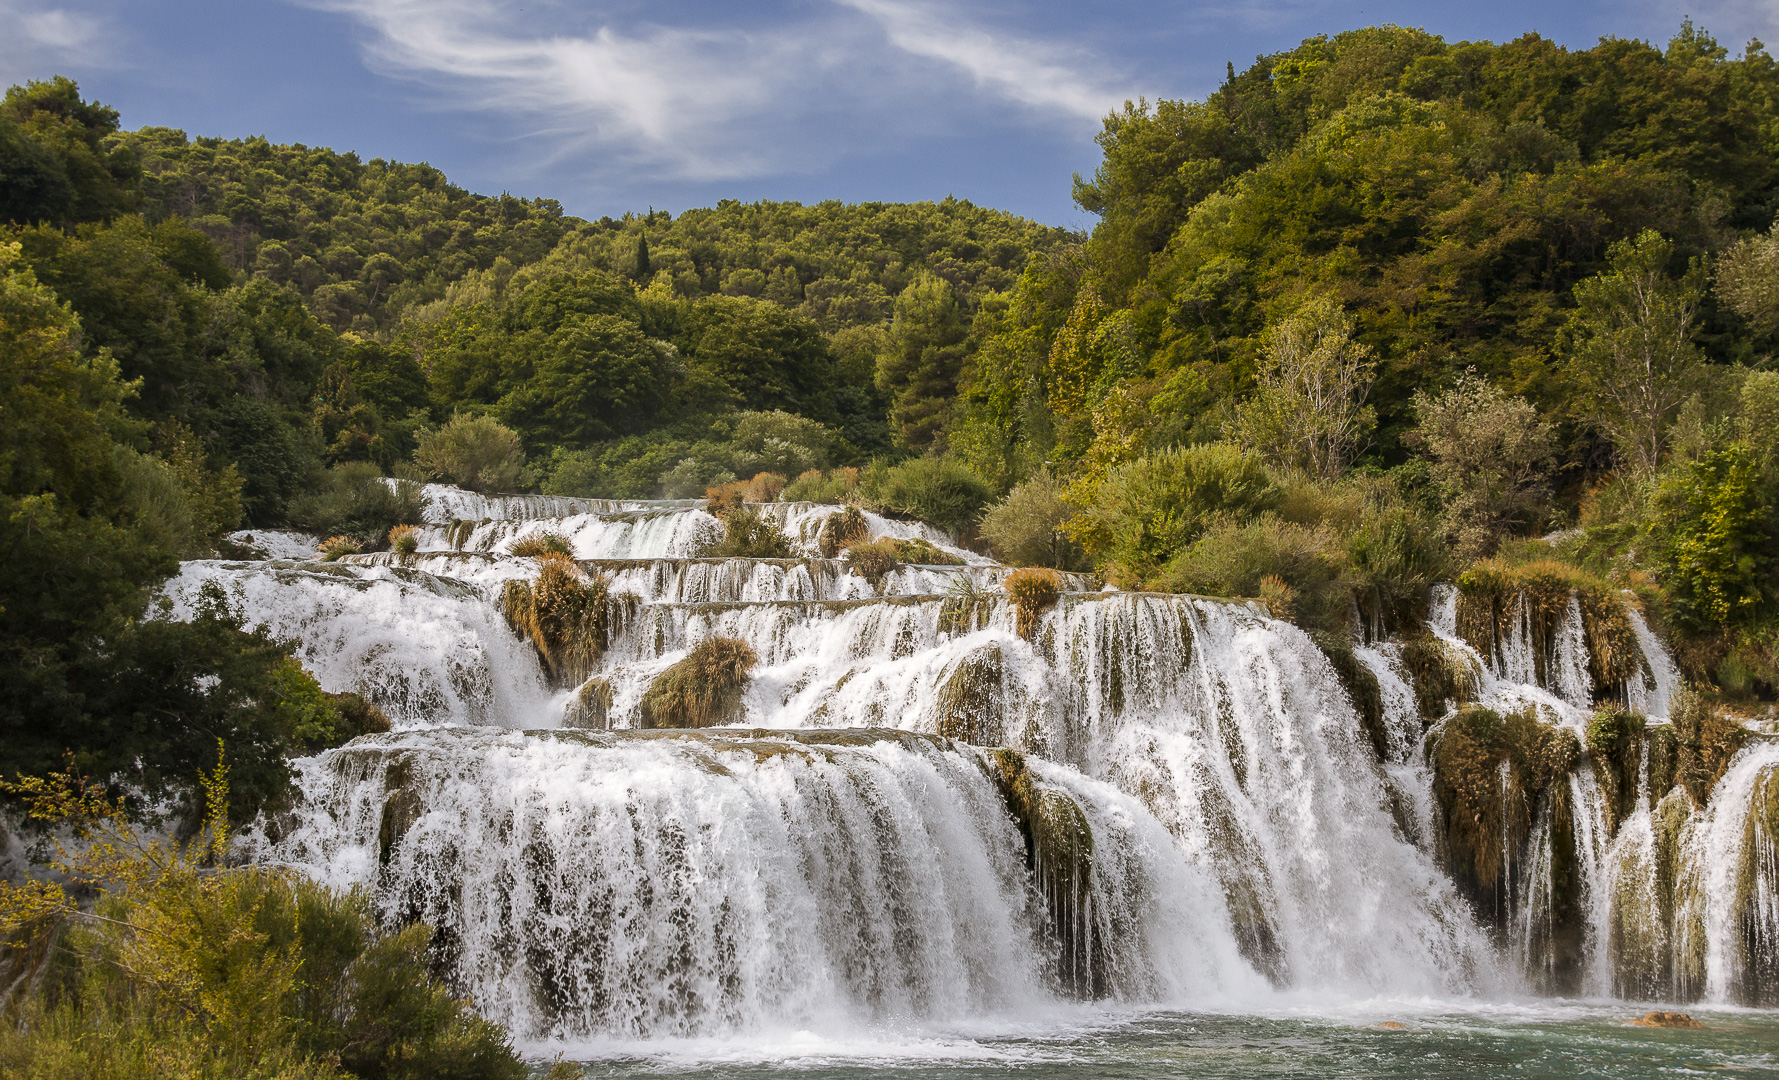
(1382, 311)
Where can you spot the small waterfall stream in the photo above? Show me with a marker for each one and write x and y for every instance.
(1232, 830)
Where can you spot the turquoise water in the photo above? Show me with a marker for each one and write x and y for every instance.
(1533, 1040)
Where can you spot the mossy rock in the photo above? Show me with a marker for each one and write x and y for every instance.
(1361, 686)
(402, 807)
(1441, 674)
(1704, 745)
(590, 710)
(1059, 851)
(1615, 743)
(1492, 595)
(970, 698)
(1487, 810)
(1756, 980)
(702, 690)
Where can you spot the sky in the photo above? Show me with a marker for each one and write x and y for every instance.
(622, 105)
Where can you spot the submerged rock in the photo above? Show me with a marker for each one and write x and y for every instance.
(1666, 1020)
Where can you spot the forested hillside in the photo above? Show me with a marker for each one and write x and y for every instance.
(1378, 313)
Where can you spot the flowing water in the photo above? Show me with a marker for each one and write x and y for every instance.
(1200, 859)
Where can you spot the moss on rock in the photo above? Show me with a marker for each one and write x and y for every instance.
(1615, 743)
(970, 698)
(702, 690)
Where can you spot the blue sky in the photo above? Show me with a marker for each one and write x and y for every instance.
(614, 105)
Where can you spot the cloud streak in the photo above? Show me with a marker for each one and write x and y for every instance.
(38, 37)
(706, 103)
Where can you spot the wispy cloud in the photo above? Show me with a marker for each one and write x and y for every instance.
(706, 100)
(1030, 72)
(37, 38)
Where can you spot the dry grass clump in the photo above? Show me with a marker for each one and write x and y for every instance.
(723, 499)
(873, 560)
(404, 540)
(703, 690)
(338, 547)
(1442, 674)
(922, 553)
(970, 699)
(541, 544)
(843, 529)
(1033, 591)
(749, 534)
(1280, 599)
(564, 614)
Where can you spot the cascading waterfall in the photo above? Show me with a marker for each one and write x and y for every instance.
(1197, 808)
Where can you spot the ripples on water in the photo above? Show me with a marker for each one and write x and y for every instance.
(1534, 1041)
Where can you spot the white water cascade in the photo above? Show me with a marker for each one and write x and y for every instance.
(834, 859)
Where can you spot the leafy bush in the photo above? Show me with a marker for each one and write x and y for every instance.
(1144, 514)
(1491, 455)
(702, 690)
(474, 452)
(355, 500)
(841, 530)
(1235, 559)
(182, 968)
(873, 560)
(937, 490)
(780, 442)
(1026, 528)
(838, 485)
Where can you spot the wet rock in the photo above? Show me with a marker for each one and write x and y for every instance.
(1666, 1020)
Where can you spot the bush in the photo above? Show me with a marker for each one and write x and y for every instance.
(1033, 592)
(840, 485)
(1027, 527)
(355, 500)
(1144, 514)
(1491, 458)
(702, 690)
(1236, 560)
(478, 453)
(749, 534)
(563, 613)
(937, 490)
(182, 968)
(779, 442)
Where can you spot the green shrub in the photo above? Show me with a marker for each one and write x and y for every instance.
(841, 530)
(1027, 527)
(1234, 559)
(404, 540)
(355, 500)
(478, 453)
(873, 560)
(813, 485)
(938, 490)
(702, 690)
(1144, 514)
(335, 548)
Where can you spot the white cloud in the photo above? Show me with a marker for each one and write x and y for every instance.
(37, 39)
(1029, 72)
(707, 101)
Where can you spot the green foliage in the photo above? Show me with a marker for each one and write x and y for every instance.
(1233, 559)
(941, 491)
(1026, 528)
(702, 690)
(1717, 527)
(1491, 455)
(923, 354)
(60, 166)
(354, 500)
(873, 560)
(1146, 513)
(183, 968)
(842, 530)
(474, 452)
(1309, 412)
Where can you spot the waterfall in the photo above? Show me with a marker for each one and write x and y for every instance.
(1195, 804)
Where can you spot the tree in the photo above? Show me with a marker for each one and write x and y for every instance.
(1748, 280)
(1491, 455)
(1026, 527)
(55, 164)
(1629, 346)
(924, 354)
(596, 377)
(1309, 412)
(474, 452)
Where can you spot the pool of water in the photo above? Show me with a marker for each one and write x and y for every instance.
(1473, 1042)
